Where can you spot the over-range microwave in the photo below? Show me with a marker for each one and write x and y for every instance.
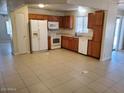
(53, 25)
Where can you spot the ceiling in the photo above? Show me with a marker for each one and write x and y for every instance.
(3, 7)
(121, 5)
(58, 7)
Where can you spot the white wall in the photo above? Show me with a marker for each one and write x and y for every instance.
(109, 31)
(42, 11)
(120, 13)
(23, 10)
(99, 4)
(3, 7)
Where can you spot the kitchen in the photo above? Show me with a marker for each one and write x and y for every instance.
(74, 28)
(60, 46)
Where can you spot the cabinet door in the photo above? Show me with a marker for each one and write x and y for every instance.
(68, 22)
(65, 42)
(97, 33)
(62, 42)
(45, 17)
(53, 18)
(75, 44)
(90, 48)
(61, 22)
(71, 43)
(91, 20)
(32, 16)
(99, 18)
(96, 49)
(49, 42)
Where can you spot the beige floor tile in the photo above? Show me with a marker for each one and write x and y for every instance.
(84, 89)
(38, 88)
(30, 79)
(60, 71)
(98, 87)
(24, 90)
(14, 82)
(68, 87)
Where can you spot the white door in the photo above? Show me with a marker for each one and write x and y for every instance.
(43, 35)
(34, 35)
(21, 33)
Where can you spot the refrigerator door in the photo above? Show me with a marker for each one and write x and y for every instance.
(34, 35)
(43, 33)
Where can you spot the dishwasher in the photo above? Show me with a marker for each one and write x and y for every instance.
(83, 45)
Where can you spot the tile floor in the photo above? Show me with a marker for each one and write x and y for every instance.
(59, 71)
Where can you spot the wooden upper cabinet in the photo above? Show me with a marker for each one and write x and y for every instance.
(37, 17)
(32, 16)
(68, 22)
(45, 17)
(91, 19)
(99, 18)
(53, 18)
(60, 21)
(65, 22)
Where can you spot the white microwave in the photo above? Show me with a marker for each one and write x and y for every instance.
(53, 25)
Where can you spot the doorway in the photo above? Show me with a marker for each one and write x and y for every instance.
(117, 34)
(118, 44)
(5, 35)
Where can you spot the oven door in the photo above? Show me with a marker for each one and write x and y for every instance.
(56, 41)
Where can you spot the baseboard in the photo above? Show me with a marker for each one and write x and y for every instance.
(105, 59)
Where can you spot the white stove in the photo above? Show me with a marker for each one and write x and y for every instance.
(55, 41)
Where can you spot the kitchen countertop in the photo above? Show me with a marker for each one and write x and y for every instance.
(81, 37)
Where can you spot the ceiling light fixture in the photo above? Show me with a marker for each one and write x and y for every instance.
(41, 5)
(81, 9)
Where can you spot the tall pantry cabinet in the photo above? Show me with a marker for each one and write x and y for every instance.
(96, 23)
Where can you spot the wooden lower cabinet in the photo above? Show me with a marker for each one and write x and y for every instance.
(75, 44)
(49, 42)
(89, 47)
(94, 49)
(97, 33)
(70, 43)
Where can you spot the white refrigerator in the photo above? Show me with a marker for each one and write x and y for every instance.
(39, 35)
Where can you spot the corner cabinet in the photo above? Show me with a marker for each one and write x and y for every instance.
(96, 23)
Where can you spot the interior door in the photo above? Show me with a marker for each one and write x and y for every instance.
(21, 33)
(43, 33)
(35, 46)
